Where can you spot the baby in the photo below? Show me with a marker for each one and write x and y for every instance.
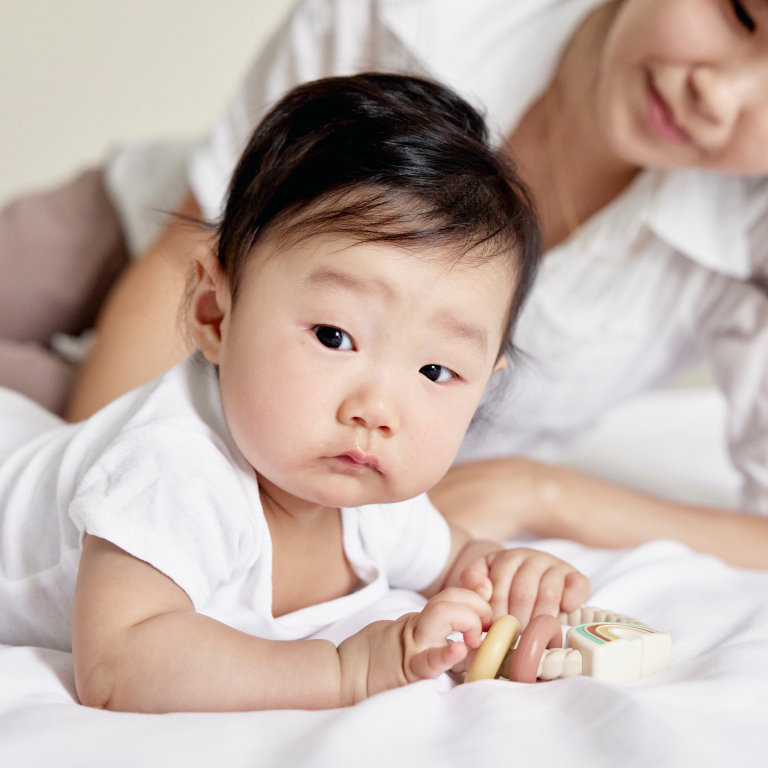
(372, 259)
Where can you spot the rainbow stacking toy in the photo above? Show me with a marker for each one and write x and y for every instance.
(600, 644)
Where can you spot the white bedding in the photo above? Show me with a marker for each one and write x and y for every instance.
(710, 708)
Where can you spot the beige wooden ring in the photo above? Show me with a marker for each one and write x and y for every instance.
(543, 632)
(500, 638)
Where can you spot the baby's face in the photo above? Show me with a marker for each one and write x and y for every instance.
(350, 372)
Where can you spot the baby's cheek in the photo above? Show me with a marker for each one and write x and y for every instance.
(430, 458)
(258, 425)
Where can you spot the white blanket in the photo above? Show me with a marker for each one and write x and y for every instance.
(709, 709)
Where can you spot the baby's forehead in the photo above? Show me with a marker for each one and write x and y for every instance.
(340, 259)
(425, 281)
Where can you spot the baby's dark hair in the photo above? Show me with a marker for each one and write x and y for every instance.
(381, 158)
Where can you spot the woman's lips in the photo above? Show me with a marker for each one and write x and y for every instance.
(662, 120)
(358, 460)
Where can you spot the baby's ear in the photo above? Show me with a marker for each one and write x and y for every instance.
(501, 364)
(210, 305)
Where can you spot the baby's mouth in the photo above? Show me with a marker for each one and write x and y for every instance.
(359, 461)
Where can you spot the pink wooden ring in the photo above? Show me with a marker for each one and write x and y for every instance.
(543, 632)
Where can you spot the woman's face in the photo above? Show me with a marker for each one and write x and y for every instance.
(685, 83)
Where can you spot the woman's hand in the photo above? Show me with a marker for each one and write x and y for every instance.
(500, 498)
(390, 654)
(494, 499)
(526, 583)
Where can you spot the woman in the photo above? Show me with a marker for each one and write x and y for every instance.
(642, 128)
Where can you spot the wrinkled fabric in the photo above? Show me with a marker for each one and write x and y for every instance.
(709, 709)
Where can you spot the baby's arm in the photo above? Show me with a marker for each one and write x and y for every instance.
(139, 646)
(520, 581)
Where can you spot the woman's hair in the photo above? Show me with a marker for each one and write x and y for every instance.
(381, 158)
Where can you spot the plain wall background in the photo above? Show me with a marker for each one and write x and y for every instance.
(78, 77)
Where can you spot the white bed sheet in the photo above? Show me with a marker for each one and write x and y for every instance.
(710, 708)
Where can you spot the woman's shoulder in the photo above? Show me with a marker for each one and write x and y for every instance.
(434, 33)
(498, 54)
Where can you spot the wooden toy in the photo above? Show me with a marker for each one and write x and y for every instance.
(600, 644)
(497, 642)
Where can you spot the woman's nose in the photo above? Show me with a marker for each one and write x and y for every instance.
(374, 408)
(720, 93)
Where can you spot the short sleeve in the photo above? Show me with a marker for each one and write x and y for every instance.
(322, 38)
(175, 501)
(410, 540)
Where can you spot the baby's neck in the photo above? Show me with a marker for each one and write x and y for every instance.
(308, 561)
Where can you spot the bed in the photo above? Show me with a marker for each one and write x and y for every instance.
(710, 708)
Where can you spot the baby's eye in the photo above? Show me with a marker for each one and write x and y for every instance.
(333, 338)
(438, 373)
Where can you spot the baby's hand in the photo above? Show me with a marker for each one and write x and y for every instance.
(427, 651)
(525, 583)
(389, 654)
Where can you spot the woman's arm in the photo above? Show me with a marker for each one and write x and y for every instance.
(139, 332)
(501, 498)
(139, 646)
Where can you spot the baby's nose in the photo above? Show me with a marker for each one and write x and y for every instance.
(372, 408)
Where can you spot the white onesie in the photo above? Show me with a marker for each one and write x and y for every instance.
(158, 474)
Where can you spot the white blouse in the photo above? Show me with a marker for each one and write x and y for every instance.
(650, 285)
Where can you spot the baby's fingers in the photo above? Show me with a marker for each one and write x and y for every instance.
(476, 579)
(434, 661)
(452, 610)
